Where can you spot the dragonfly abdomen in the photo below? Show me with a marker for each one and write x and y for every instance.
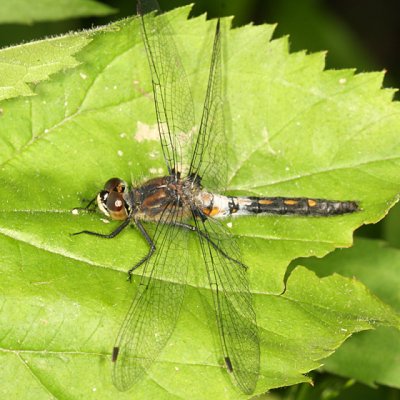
(221, 206)
(295, 206)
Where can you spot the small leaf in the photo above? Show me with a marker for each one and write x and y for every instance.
(370, 357)
(22, 67)
(294, 130)
(22, 12)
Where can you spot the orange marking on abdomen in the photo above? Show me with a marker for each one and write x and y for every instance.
(211, 213)
(311, 203)
(290, 202)
(265, 202)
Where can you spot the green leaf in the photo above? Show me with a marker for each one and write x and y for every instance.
(22, 67)
(370, 357)
(22, 12)
(294, 130)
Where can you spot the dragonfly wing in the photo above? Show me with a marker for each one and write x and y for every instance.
(172, 96)
(232, 300)
(209, 159)
(155, 309)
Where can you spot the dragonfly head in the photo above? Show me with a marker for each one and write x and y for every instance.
(113, 199)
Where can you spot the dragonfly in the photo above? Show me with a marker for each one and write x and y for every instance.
(187, 201)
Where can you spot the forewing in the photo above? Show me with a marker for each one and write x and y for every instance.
(209, 159)
(172, 97)
(155, 309)
(232, 300)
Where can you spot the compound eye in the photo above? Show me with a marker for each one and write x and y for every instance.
(115, 185)
(111, 200)
(115, 205)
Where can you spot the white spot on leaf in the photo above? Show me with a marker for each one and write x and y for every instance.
(154, 154)
(146, 132)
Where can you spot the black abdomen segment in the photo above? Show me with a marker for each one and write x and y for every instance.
(294, 206)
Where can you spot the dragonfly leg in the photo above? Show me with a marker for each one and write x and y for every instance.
(106, 236)
(88, 207)
(151, 251)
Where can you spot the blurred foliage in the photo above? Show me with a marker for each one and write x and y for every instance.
(329, 387)
(21, 12)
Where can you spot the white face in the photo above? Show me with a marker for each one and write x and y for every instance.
(101, 203)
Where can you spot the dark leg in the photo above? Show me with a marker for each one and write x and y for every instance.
(87, 207)
(90, 203)
(152, 249)
(117, 231)
(108, 236)
(203, 235)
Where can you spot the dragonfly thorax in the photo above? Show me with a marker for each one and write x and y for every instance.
(164, 194)
(149, 200)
